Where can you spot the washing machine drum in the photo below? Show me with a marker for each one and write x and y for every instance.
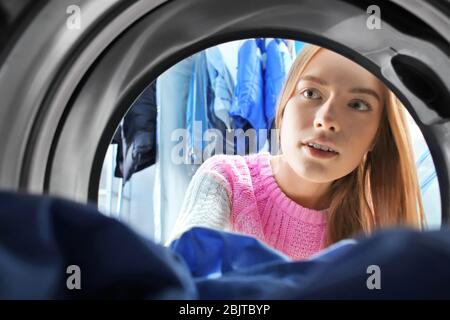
(69, 70)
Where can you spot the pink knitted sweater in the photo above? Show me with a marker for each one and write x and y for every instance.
(260, 208)
(240, 193)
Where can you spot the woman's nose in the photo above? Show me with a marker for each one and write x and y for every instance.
(326, 118)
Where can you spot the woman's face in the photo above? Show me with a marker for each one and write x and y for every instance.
(336, 104)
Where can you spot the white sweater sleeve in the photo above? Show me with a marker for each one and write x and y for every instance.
(206, 203)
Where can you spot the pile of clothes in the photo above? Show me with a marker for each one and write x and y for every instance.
(42, 237)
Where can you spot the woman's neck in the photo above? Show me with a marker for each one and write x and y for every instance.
(306, 193)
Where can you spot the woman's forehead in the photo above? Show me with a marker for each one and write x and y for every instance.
(335, 69)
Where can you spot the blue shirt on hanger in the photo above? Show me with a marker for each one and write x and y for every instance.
(262, 70)
(278, 63)
(210, 98)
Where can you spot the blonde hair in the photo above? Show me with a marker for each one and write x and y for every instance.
(383, 191)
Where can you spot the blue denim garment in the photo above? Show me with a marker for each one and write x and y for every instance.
(278, 63)
(211, 253)
(248, 105)
(199, 98)
(42, 236)
(411, 265)
(210, 98)
(262, 70)
(222, 85)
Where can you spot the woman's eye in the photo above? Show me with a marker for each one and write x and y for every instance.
(360, 105)
(311, 94)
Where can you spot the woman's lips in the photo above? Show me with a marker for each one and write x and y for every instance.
(317, 153)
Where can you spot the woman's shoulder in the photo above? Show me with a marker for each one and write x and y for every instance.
(234, 162)
(231, 166)
(223, 163)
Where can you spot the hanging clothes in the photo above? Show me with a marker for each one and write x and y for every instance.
(195, 95)
(136, 137)
(197, 110)
(247, 110)
(429, 188)
(263, 65)
(278, 63)
(117, 139)
(298, 45)
(210, 98)
(222, 86)
(220, 97)
(171, 177)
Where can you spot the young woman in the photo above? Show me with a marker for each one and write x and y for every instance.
(346, 165)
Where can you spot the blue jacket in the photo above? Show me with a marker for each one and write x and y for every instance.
(278, 63)
(248, 104)
(262, 70)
